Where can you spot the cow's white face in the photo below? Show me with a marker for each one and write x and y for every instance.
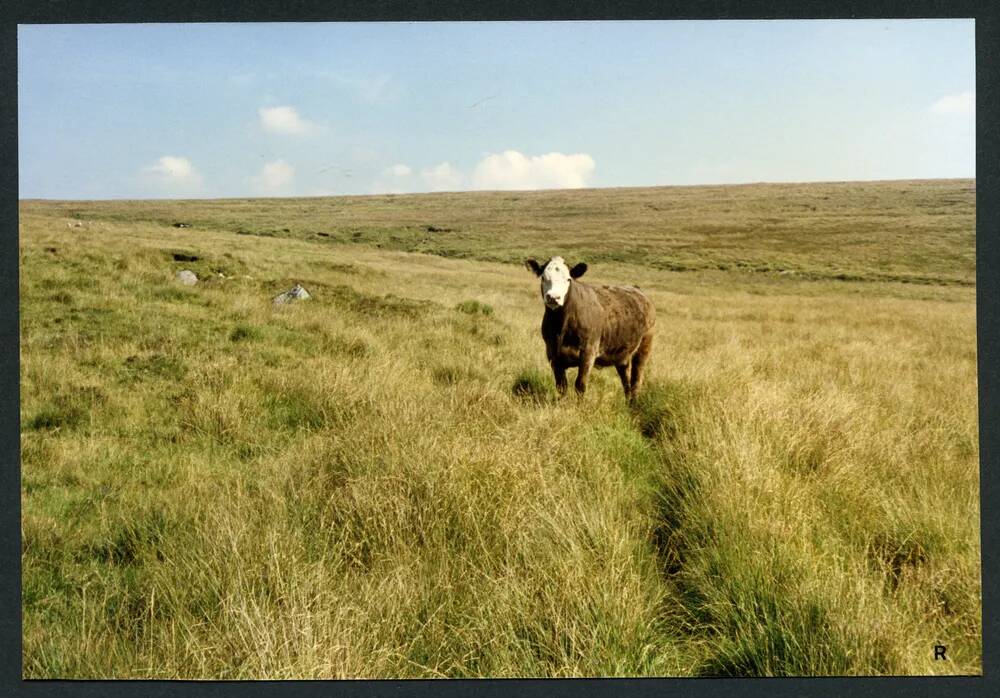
(555, 278)
(555, 283)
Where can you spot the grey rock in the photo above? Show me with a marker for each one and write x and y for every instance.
(295, 293)
(187, 277)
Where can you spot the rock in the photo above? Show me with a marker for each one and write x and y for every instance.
(182, 225)
(187, 277)
(295, 293)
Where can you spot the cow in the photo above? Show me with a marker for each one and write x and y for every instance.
(586, 325)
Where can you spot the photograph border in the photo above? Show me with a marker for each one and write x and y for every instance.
(988, 329)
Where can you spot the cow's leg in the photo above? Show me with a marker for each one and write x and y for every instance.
(587, 359)
(626, 376)
(639, 360)
(559, 372)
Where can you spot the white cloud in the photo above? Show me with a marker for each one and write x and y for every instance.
(174, 171)
(284, 120)
(962, 103)
(396, 179)
(513, 170)
(275, 175)
(442, 177)
(398, 171)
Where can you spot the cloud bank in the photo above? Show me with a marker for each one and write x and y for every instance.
(398, 171)
(513, 170)
(285, 121)
(961, 103)
(174, 171)
(443, 177)
(274, 176)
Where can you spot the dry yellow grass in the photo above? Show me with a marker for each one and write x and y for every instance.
(349, 487)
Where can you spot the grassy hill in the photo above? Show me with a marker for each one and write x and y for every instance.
(379, 482)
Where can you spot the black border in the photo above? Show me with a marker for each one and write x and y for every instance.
(988, 316)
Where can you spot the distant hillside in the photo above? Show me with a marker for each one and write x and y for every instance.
(908, 231)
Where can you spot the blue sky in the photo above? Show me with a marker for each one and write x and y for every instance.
(224, 110)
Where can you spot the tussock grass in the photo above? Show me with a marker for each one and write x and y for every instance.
(473, 307)
(381, 482)
(534, 386)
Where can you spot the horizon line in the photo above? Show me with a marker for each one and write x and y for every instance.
(512, 191)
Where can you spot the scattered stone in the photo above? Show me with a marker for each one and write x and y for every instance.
(182, 225)
(295, 293)
(74, 224)
(187, 277)
(786, 271)
(182, 257)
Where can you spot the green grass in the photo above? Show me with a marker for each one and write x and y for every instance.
(381, 481)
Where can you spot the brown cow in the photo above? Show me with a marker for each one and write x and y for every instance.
(586, 326)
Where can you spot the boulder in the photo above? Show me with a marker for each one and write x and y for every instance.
(187, 277)
(295, 293)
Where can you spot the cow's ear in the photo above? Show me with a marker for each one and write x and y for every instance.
(578, 271)
(532, 265)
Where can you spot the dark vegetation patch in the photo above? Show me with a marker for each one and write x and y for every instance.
(139, 367)
(64, 297)
(244, 332)
(474, 307)
(295, 410)
(347, 346)
(447, 375)
(452, 375)
(257, 233)
(897, 556)
(130, 539)
(341, 268)
(763, 632)
(68, 409)
(534, 387)
(56, 416)
(662, 407)
(387, 306)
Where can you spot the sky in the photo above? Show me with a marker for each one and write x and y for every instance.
(316, 109)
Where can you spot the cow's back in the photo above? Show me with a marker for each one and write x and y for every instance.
(628, 316)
